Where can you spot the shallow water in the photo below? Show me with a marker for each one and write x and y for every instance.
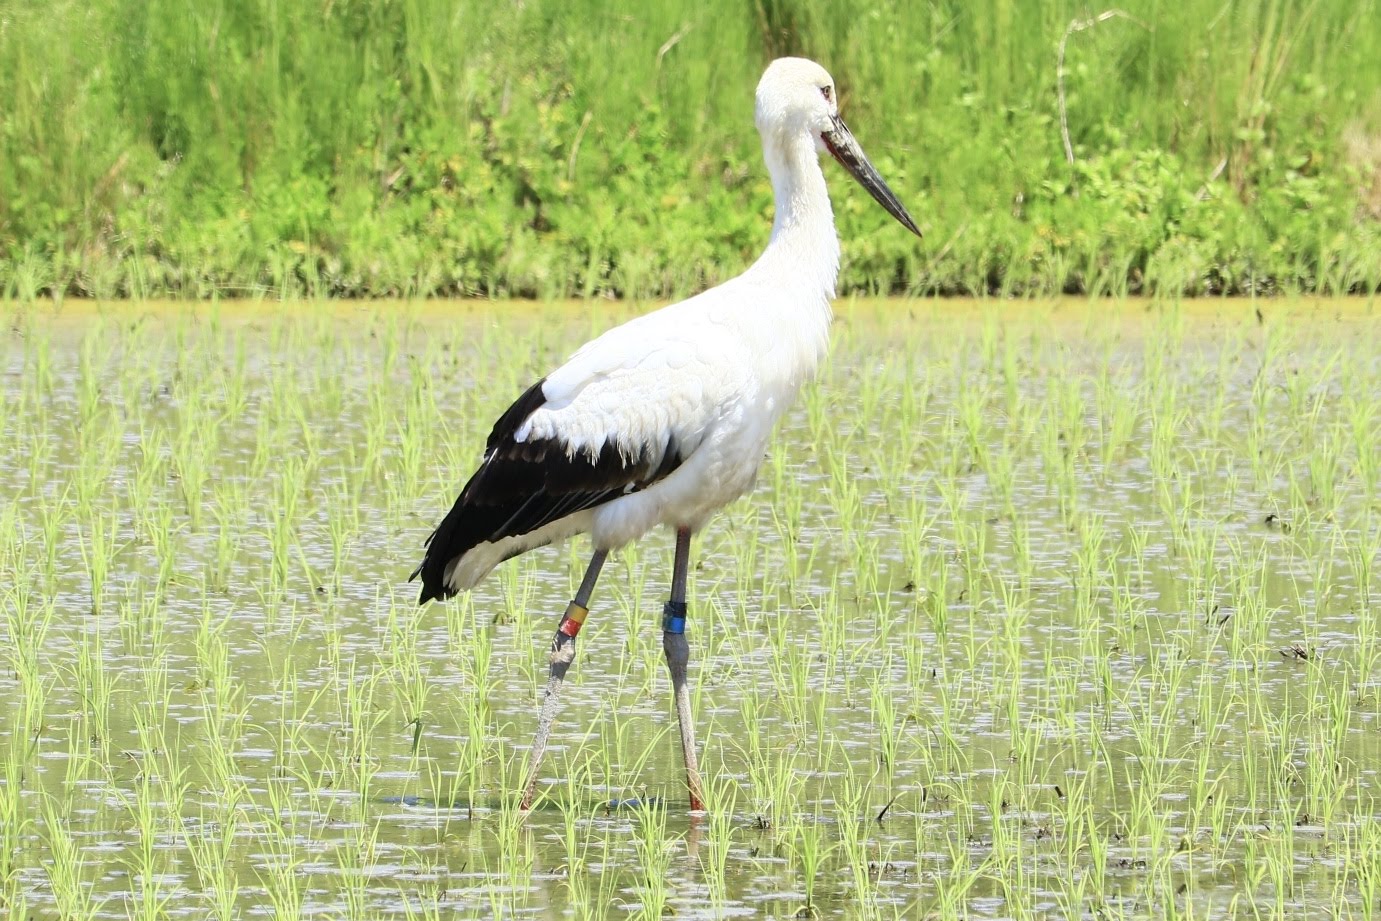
(1080, 598)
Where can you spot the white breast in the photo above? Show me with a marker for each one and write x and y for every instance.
(740, 369)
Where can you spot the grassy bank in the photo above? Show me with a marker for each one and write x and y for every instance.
(541, 148)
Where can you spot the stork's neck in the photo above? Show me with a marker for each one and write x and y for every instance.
(804, 248)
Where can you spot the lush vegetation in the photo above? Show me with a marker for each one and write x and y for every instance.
(531, 147)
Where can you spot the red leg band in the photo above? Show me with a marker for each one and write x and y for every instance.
(574, 619)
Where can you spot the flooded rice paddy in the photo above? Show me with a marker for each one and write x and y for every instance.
(1063, 610)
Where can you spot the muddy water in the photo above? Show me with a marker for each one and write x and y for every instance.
(1081, 599)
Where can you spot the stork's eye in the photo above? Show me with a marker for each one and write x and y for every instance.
(827, 93)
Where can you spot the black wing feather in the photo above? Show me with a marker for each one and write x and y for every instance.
(524, 486)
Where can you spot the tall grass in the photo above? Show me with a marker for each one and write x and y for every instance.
(542, 148)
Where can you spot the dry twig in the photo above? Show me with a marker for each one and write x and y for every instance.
(1079, 25)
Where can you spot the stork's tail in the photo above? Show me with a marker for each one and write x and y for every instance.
(443, 574)
(462, 535)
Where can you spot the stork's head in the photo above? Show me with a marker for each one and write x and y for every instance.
(796, 100)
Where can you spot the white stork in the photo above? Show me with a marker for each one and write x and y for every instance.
(664, 420)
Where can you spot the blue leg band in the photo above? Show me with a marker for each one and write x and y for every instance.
(674, 617)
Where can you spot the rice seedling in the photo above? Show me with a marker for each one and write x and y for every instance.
(1062, 609)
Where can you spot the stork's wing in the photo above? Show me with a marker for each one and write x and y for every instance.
(600, 427)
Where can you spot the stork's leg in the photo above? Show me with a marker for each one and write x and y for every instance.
(562, 654)
(678, 655)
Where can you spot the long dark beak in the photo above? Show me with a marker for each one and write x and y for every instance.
(841, 144)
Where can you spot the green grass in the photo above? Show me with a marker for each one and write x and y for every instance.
(544, 149)
(1041, 610)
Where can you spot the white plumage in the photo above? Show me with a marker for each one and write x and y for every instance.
(706, 375)
(664, 420)
(706, 378)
